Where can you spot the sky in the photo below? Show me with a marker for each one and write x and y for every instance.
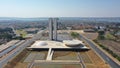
(59, 8)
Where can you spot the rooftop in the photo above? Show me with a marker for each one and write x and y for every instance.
(58, 45)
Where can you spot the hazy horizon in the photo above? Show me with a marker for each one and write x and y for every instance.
(59, 8)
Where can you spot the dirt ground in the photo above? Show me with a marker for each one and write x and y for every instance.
(97, 61)
(63, 55)
(112, 45)
(90, 35)
(58, 66)
(17, 61)
(90, 56)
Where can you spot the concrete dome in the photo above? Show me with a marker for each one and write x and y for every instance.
(42, 43)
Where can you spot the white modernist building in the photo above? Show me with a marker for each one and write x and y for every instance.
(53, 28)
(66, 44)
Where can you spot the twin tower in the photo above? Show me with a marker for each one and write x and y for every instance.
(53, 28)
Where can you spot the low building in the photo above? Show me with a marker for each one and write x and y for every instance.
(29, 36)
(66, 44)
(89, 30)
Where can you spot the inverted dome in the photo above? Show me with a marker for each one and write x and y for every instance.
(72, 43)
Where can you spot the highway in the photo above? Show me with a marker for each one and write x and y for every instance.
(108, 60)
(20, 48)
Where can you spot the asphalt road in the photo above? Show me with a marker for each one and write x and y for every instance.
(81, 60)
(20, 48)
(101, 53)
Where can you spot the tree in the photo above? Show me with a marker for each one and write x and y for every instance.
(101, 34)
(75, 34)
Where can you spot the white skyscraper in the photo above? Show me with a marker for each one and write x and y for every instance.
(50, 28)
(53, 28)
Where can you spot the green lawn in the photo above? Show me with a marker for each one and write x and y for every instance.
(109, 36)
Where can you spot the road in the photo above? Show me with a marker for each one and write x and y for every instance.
(108, 60)
(19, 49)
(81, 60)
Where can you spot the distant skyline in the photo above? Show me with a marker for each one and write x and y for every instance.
(59, 8)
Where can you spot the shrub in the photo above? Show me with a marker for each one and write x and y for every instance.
(75, 34)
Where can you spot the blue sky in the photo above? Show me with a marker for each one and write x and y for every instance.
(59, 8)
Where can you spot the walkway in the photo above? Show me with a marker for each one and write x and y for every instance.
(50, 54)
(57, 62)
